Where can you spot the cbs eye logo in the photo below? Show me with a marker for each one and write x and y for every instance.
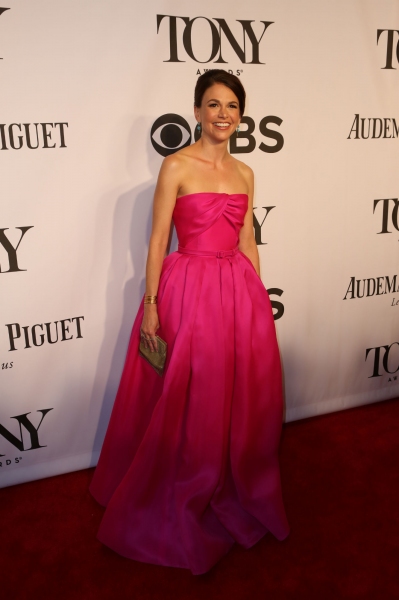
(170, 133)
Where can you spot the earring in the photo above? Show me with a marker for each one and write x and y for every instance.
(238, 128)
(198, 126)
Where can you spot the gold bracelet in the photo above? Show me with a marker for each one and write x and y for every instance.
(150, 299)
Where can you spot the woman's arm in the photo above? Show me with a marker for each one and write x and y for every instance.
(164, 203)
(247, 243)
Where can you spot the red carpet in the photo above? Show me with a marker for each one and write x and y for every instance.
(341, 488)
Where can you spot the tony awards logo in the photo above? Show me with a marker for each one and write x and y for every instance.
(9, 249)
(384, 359)
(392, 51)
(28, 438)
(185, 35)
(388, 210)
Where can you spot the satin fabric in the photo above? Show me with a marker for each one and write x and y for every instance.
(189, 463)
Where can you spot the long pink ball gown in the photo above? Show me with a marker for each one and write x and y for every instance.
(189, 463)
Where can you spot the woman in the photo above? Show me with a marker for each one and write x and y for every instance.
(189, 464)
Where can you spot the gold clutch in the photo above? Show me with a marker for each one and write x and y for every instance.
(156, 359)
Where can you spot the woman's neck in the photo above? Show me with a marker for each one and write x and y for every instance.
(215, 153)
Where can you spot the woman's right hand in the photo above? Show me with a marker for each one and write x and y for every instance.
(149, 327)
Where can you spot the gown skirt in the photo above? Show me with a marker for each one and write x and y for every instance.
(189, 463)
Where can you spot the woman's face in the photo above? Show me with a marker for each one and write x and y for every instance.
(219, 113)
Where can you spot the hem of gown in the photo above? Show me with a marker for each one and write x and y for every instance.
(137, 556)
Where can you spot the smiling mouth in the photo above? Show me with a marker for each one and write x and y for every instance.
(222, 125)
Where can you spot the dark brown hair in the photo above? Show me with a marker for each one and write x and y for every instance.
(209, 78)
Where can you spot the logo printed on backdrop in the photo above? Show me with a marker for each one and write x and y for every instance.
(220, 36)
(278, 306)
(12, 250)
(258, 226)
(390, 46)
(236, 72)
(373, 286)
(21, 443)
(2, 10)
(250, 140)
(373, 128)
(40, 333)
(17, 135)
(171, 132)
(384, 359)
(385, 213)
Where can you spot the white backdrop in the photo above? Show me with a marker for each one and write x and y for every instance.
(95, 77)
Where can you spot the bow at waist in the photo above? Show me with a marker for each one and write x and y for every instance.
(216, 253)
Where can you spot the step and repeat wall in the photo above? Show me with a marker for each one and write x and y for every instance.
(93, 96)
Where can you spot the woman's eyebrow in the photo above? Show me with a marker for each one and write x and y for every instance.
(216, 100)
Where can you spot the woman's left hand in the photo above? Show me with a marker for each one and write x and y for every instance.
(149, 327)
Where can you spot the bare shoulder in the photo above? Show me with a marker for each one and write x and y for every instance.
(179, 161)
(172, 170)
(172, 163)
(245, 171)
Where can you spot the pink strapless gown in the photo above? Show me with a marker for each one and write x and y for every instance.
(189, 463)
